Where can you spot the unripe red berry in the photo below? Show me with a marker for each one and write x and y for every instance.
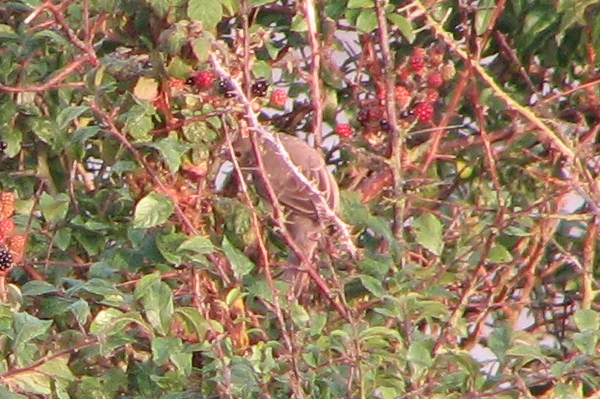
(431, 95)
(402, 96)
(424, 112)
(7, 204)
(278, 98)
(417, 60)
(448, 72)
(435, 80)
(344, 130)
(16, 245)
(203, 80)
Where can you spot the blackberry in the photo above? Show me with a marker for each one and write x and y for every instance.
(385, 125)
(3, 145)
(6, 259)
(260, 87)
(225, 88)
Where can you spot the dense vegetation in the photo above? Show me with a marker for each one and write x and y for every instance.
(463, 136)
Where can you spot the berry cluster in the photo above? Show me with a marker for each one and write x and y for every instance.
(12, 246)
(419, 80)
(260, 87)
(225, 88)
(6, 259)
(203, 80)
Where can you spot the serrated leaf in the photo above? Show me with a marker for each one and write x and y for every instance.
(54, 207)
(483, 16)
(152, 210)
(207, 12)
(498, 254)
(299, 24)
(164, 347)
(35, 288)
(240, 263)
(419, 353)
(300, 315)
(587, 320)
(258, 3)
(146, 89)
(361, 4)
(171, 151)
(28, 327)
(201, 47)
(198, 244)
(373, 285)
(138, 121)
(195, 320)
(157, 299)
(428, 233)
(367, 20)
(404, 26)
(104, 320)
(69, 114)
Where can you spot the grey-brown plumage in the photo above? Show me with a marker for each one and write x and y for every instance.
(304, 216)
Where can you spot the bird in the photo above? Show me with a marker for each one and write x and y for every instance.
(305, 219)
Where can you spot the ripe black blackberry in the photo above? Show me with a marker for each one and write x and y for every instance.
(6, 259)
(385, 125)
(225, 88)
(260, 87)
(3, 145)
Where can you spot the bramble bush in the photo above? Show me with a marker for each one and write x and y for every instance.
(463, 136)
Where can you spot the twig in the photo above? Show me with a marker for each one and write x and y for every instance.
(315, 83)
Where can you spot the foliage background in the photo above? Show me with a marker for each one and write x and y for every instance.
(477, 231)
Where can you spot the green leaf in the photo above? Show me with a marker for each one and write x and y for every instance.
(164, 347)
(152, 210)
(168, 246)
(69, 114)
(587, 320)
(483, 16)
(300, 315)
(138, 121)
(361, 4)
(419, 353)
(258, 3)
(81, 310)
(373, 285)
(357, 214)
(299, 24)
(37, 288)
(498, 254)
(367, 20)
(586, 341)
(240, 263)
(104, 320)
(194, 320)
(157, 299)
(500, 341)
(404, 26)
(198, 244)
(28, 327)
(207, 12)
(171, 151)
(428, 233)
(201, 47)
(146, 89)
(54, 208)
